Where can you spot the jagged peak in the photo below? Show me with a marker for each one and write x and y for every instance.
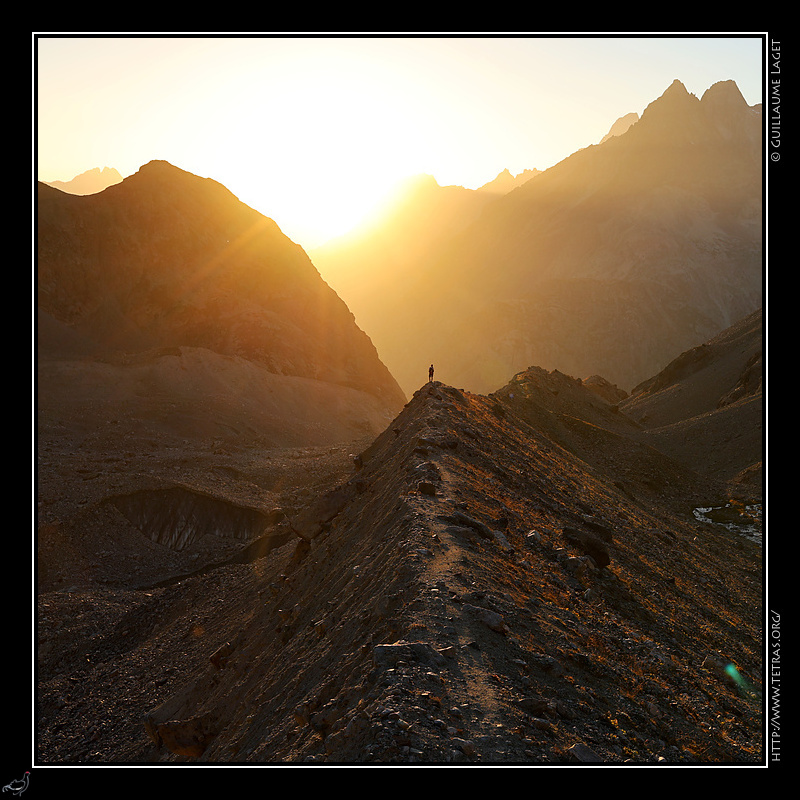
(676, 87)
(677, 112)
(506, 180)
(723, 92)
(676, 93)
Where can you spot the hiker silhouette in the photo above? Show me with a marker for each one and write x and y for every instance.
(430, 373)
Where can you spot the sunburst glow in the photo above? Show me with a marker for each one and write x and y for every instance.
(312, 131)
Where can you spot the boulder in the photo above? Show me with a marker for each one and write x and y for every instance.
(189, 737)
(589, 545)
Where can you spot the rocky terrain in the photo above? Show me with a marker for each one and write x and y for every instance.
(510, 579)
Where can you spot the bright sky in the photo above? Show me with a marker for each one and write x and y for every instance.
(311, 131)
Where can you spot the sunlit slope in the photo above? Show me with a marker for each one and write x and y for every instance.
(169, 267)
(611, 262)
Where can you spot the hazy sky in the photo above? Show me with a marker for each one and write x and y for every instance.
(311, 130)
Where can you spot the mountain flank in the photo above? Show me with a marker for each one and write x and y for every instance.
(706, 407)
(376, 261)
(164, 298)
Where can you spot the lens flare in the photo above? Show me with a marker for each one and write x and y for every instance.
(733, 673)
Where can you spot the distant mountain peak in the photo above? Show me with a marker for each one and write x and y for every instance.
(676, 87)
(721, 115)
(621, 126)
(724, 93)
(728, 112)
(89, 182)
(506, 181)
(675, 96)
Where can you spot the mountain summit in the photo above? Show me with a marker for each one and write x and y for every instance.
(721, 114)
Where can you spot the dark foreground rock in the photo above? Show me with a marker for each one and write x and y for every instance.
(396, 625)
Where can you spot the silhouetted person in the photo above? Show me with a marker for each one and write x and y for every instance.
(430, 373)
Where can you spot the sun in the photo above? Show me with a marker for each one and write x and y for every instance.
(317, 149)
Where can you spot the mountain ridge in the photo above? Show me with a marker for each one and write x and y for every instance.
(610, 262)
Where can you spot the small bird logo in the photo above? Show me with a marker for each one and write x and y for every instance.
(18, 787)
